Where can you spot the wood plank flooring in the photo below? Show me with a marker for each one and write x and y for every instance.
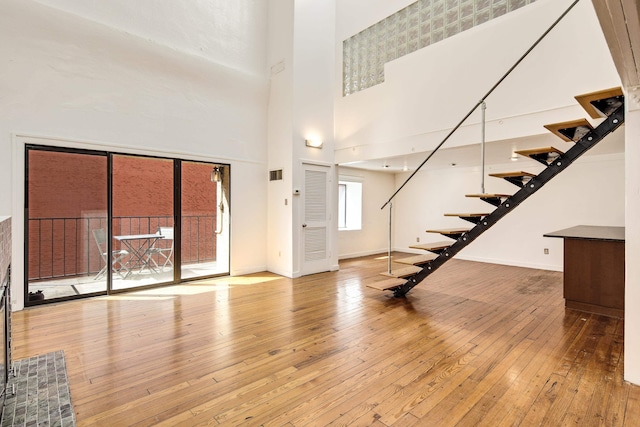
(474, 345)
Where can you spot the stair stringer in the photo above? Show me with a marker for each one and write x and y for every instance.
(593, 137)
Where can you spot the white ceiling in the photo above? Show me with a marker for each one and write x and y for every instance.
(205, 28)
(499, 152)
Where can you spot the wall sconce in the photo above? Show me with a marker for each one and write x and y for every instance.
(216, 174)
(315, 143)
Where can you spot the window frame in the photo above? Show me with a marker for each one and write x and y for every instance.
(350, 203)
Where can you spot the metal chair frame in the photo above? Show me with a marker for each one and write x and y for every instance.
(117, 256)
(164, 252)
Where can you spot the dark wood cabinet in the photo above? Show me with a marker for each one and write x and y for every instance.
(594, 269)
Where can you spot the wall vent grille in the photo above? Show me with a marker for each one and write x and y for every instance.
(275, 175)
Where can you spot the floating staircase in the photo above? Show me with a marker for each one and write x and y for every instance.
(607, 104)
(418, 259)
(517, 178)
(544, 155)
(471, 217)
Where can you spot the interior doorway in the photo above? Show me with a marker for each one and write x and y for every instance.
(316, 236)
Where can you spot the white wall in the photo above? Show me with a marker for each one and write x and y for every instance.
(427, 92)
(313, 110)
(301, 59)
(280, 138)
(373, 238)
(589, 192)
(75, 80)
(230, 33)
(632, 248)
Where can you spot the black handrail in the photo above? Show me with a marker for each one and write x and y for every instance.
(483, 99)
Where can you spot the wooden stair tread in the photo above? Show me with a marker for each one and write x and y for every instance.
(385, 285)
(470, 215)
(488, 195)
(449, 231)
(541, 150)
(434, 246)
(557, 128)
(402, 271)
(586, 100)
(544, 155)
(511, 174)
(418, 259)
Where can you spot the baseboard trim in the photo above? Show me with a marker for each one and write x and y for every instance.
(549, 267)
(363, 253)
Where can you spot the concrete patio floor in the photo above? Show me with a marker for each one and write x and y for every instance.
(80, 285)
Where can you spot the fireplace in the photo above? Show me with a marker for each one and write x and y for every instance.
(5, 335)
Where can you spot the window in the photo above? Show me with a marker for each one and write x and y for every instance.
(418, 25)
(349, 205)
(116, 230)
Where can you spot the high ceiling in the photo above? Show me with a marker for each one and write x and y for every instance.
(496, 153)
(204, 28)
(620, 23)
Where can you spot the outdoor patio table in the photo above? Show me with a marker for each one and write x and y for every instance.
(139, 252)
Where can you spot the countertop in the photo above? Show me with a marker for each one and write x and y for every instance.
(590, 232)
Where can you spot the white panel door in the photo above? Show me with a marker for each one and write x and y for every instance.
(316, 255)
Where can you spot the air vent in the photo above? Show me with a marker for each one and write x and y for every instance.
(275, 175)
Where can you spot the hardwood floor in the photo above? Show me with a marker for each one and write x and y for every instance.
(474, 345)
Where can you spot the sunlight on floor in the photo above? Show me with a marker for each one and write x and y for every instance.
(81, 285)
(199, 287)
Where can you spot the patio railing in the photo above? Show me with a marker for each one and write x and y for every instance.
(65, 247)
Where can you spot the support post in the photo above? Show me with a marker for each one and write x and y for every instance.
(483, 107)
(389, 251)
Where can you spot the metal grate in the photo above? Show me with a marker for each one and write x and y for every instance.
(275, 175)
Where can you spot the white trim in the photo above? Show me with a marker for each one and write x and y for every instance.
(316, 163)
(125, 149)
(548, 267)
(248, 270)
(18, 143)
(17, 224)
(381, 252)
(351, 178)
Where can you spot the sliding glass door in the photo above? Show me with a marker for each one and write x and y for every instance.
(65, 207)
(98, 222)
(142, 222)
(205, 219)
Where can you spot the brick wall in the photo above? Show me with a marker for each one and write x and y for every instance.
(68, 199)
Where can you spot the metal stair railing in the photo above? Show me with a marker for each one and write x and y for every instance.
(481, 102)
(611, 123)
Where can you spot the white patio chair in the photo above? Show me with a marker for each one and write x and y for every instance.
(100, 237)
(163, 248)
